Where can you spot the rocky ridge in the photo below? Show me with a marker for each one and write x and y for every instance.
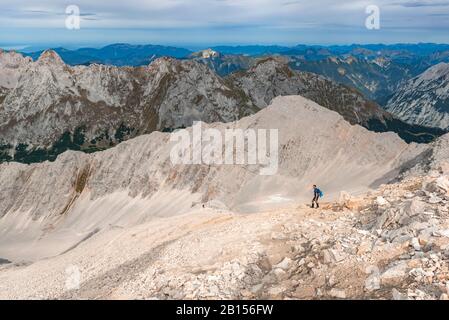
(48, 107)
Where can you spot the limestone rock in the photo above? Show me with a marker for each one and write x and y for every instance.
(395, 274)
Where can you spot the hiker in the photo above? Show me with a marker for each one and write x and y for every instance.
(317, 194)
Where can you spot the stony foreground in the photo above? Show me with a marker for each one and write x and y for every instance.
(389, 244)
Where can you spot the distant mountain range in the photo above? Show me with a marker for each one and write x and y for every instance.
(116, 54)
(376, 70)
(421, 55)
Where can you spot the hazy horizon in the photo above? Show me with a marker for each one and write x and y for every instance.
(198, 47)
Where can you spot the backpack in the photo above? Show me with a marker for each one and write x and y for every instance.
(320, 193)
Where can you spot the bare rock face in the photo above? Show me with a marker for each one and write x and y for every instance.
(52, 107)
(272, 77)
(11, 64)
(85, 192)
(424, 100)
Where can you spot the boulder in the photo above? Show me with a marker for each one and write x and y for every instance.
(280, 274)
(434, 199)
(344, 197)
(381, 201)
(442, 233)
(304, 292)
(443, 183)
(257, 288)
(395, 274)
(332, 255)
(276, 291)
(397, 295)
(372, 283)
(415, 244)
(364, 247)
(284, 264)
(337, 293)
(332, 281)
(414, 207)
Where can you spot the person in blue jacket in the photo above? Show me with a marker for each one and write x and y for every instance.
(317, 194)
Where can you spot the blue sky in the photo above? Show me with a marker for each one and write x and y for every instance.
(212, 22)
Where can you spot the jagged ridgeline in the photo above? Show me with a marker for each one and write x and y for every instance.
(48, 107)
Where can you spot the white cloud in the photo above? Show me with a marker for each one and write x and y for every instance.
(198, 13)
(279, 19)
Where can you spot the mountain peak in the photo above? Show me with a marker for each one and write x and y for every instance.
(162, 61)
(50, 56)
(11, 63)
(272, 65)
(272, 59)
(11, 54)
(206, 54)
